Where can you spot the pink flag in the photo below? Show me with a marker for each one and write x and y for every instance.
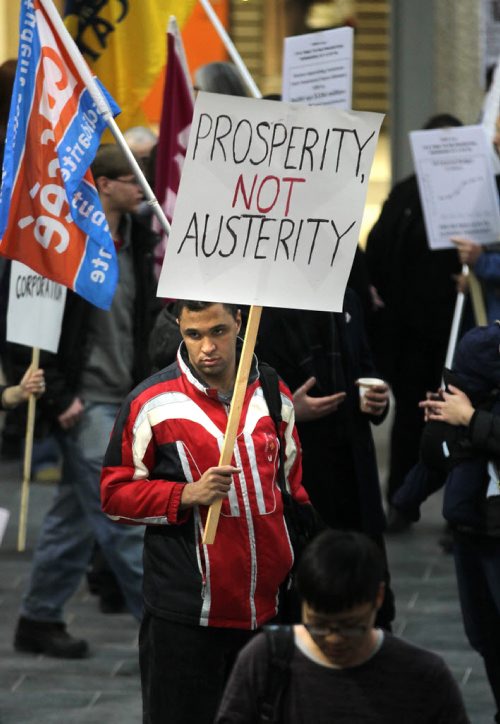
(176, 117)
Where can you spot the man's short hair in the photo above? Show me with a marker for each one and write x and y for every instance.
(340, 570)
(195, 306)
(110, 161)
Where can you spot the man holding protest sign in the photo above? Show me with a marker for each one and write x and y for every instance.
(268, 213)
(102, 353)
(202, 601)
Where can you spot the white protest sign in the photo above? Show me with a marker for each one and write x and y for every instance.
(457, 185)
(35, 311)
(317, 68)
(270, 203)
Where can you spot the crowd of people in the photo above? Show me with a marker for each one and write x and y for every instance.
(137, 399)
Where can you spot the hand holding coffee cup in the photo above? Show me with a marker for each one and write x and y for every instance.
(373, 395)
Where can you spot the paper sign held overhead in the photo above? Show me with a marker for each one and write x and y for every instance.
(457, 185)
(270, 203)
(35, 311)
(317, 68)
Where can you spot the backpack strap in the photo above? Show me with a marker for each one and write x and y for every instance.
(269, 381)
(280, 646)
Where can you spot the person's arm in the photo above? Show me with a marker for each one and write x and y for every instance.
(444, 692)
(455, 408)
(309, 408)
(131, 493)
(468, 251)
(71, 415)
(487, 266)
(376, 398)
(293, 454)
(376, 401)
(484, 431)
(32, 383)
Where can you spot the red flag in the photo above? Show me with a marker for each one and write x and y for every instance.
(176, 117)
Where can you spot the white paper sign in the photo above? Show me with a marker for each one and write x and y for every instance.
(35, 311)
(457, 185)
(270, 203)
(317, 68)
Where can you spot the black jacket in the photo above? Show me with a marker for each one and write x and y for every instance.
(415, 283)
(333, 348)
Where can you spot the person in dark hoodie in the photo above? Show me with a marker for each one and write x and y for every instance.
(460, 447)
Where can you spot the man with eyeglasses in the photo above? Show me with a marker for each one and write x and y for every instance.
(341, 668)
(102, 355)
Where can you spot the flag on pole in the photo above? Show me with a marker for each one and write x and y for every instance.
(51, 218)
(176, 117)
(124, 46)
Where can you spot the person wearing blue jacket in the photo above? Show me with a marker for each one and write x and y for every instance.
(460, 447)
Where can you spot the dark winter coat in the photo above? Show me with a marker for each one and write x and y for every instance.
(415, 283)
(331, 347)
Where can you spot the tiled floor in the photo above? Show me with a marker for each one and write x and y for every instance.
(104, 689)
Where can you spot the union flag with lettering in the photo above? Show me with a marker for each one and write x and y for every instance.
(51, 218)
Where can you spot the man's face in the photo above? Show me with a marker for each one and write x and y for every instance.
(345, 638)
(210, 338)
(123, 194)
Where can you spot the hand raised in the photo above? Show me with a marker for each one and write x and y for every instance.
(313, 408)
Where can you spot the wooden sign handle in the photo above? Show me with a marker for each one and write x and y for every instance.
(28, 454)
(233, 421)
(477, 299)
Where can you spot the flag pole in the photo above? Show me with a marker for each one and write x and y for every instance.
(28, 455)
(103, 108)
(231, 48)
(478, 308)
(455, 324)
(477, 299)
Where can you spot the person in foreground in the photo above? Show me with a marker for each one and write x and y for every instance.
(202, 602)
(342, 668)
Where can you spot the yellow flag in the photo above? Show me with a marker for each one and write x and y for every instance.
(124, 43)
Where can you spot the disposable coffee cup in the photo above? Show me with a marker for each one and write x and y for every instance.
(364, 384)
